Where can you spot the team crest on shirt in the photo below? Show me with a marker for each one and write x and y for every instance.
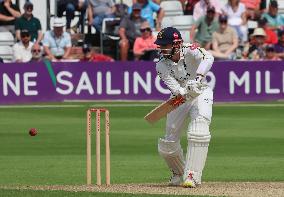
(160, 34)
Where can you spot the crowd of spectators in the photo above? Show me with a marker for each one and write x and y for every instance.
(220, 28)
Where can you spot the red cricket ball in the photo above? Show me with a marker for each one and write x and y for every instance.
(32, 131)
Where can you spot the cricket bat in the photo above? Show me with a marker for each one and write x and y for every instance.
(163, 109)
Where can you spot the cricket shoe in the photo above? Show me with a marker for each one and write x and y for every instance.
(189, 181)
(175, 180)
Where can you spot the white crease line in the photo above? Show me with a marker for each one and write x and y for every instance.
(131, 105)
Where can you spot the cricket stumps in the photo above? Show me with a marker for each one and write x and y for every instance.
(98, 111)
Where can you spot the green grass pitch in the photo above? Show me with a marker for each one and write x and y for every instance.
(247, 144)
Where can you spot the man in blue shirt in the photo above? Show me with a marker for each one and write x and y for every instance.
(57, 43)
(274, 20)
(148, 9)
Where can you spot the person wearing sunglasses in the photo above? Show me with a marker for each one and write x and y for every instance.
(36, 53)
(29, 22)
(22, 49)
(8, 13)
(144, 47)
(224, 40)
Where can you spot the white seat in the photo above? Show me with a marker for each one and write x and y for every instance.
(185, 36)
(6, 53)
(280, 6)
(180, 22)
(172, 8)
(6, 39)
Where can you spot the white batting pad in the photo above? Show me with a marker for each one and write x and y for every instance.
(198, 142)
(172, 153)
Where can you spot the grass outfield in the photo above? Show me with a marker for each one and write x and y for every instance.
(247, 144)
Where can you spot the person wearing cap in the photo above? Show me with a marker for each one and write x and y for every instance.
(200, 8)
(255, 50)
(22, 50)
(275, 20)
(205, 26)
(29, 22)
(129, 30)
(279, 47)
(224, 40)
(8, 13)
(148, 9)
(98, 10)
(57, 42)
(237, 18)
(271, 36)
(183, 69)
(144, 47)
(70, 7)
(270, 53)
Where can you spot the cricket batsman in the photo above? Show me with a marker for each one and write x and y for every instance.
(183, 69)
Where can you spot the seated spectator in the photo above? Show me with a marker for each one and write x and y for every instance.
(200, 8)
(144, 47)
(91, 56)
(98, 10)
(22, 50)
(271, 36)
(56, 42)
(275, 20)
(29, 22)
(188, 6)
(1, 60)
(279, 47)
(270, 53)
(237, 18)
(147, 11)
(224, 40)
(70, 6)
(8, 13)
(253, 8)
(129, 30)
(36, 53)
(256, 49)
(205, 26)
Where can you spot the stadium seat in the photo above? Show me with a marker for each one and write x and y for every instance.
(180, 22)
(109, 31)
(6, 39)
(172, 8)
(280, 6)
(6, 53)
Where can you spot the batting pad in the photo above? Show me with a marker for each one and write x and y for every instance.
(172, 153)
(198, 142)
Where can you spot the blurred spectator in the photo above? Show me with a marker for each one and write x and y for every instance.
(224, 40)
(236, 13)
(270, 53)
(91, 56)
(129, 30)
(56, 42)
(36, 53)
(279, 47)
(256, 49)
(147, 11)
(98, 10)
(205, 26)
(271, 36)
(188, 6)
(22, 49)
(1, 60)
(253, 8)
(144, 47)
(70, 6)
(200, 8)
(8, 13)
(275, 20)
(29, 22)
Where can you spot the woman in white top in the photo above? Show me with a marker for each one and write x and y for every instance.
(236, 13)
